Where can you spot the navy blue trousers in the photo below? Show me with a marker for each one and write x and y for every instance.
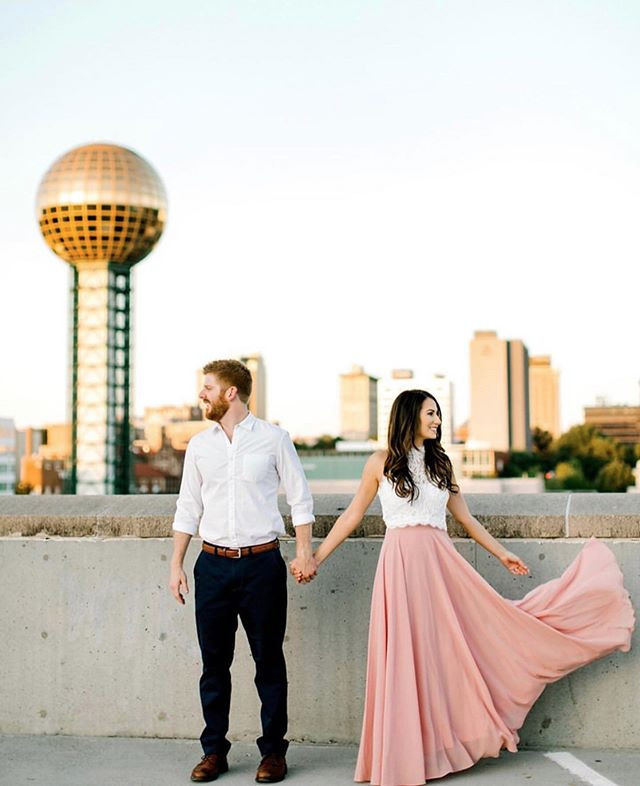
(253, 588)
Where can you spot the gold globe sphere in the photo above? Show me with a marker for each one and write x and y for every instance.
(101, 202)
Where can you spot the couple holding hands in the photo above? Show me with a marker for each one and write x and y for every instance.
(453, 668)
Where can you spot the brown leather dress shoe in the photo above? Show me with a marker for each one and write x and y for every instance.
(272, 769)
(212, 765)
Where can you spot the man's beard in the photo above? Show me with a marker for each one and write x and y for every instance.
(217, 409)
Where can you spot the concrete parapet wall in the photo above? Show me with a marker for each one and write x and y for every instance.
(92, 643)
(561, 515)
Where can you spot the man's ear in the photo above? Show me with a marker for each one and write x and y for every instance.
(231, 393)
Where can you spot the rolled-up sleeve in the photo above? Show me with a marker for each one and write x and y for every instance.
(294, 482)
(189, 506)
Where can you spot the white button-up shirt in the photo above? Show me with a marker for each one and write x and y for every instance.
(229, 490)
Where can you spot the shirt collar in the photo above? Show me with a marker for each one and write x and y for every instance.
(246, 423)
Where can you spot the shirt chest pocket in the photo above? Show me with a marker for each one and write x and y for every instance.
(256, 466)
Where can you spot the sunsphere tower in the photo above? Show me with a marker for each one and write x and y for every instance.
(102, 208)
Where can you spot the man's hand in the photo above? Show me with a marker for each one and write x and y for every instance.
(178, 583)
(304, 569)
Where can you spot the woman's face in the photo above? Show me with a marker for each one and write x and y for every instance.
(428, 421)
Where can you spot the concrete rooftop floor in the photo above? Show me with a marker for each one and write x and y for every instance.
(113, 761)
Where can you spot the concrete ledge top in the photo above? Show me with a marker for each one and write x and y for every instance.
(505, 515)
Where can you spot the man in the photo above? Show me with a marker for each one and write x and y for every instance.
(229, 493)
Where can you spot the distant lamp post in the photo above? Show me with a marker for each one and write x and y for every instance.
(101, 208)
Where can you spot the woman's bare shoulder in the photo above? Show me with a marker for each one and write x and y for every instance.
(375, 463)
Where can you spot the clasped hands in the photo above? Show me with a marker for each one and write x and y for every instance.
(303, 569)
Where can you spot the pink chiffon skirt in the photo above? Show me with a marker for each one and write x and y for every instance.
(454, 667)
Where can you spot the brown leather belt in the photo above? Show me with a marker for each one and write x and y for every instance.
(245, 551)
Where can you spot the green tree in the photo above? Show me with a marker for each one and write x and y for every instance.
(627, 453)
(521, 464)
(543, 448)
(569, 475)
(542, 440)
(326, 442)
(615, 476)
(586, 445)
(23, 488)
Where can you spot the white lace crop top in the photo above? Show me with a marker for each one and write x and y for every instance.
(429, 507)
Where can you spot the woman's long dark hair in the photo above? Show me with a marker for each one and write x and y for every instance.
(404, 423)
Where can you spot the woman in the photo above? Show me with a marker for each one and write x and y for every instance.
(453, 668)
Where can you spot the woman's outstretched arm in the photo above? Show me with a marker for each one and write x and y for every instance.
(459, 510)
(353, 515)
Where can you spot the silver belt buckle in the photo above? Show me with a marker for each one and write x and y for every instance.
(239, 553)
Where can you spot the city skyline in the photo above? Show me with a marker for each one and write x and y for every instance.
(347, 183)
(458, 393)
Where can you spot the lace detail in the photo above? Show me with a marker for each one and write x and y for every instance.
(429, 506)
(415, 460)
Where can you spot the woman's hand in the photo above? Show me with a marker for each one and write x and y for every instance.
(303, 570)
(514, 564)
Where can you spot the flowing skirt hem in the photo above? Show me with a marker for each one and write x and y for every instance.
(453, 667)
(454, 759)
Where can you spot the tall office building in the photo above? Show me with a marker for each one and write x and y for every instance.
(621, 423)
(44, 465)
(499, 392)
(8, 456)
(544, 391)
(518, 382)
(101, 208)
(258, 399)
(358, 405)
(403, 379)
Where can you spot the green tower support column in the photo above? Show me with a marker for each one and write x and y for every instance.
(100, 379)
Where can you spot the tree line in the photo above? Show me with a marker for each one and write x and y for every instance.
(580, 459)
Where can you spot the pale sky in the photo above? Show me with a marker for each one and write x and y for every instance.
(349, 182)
